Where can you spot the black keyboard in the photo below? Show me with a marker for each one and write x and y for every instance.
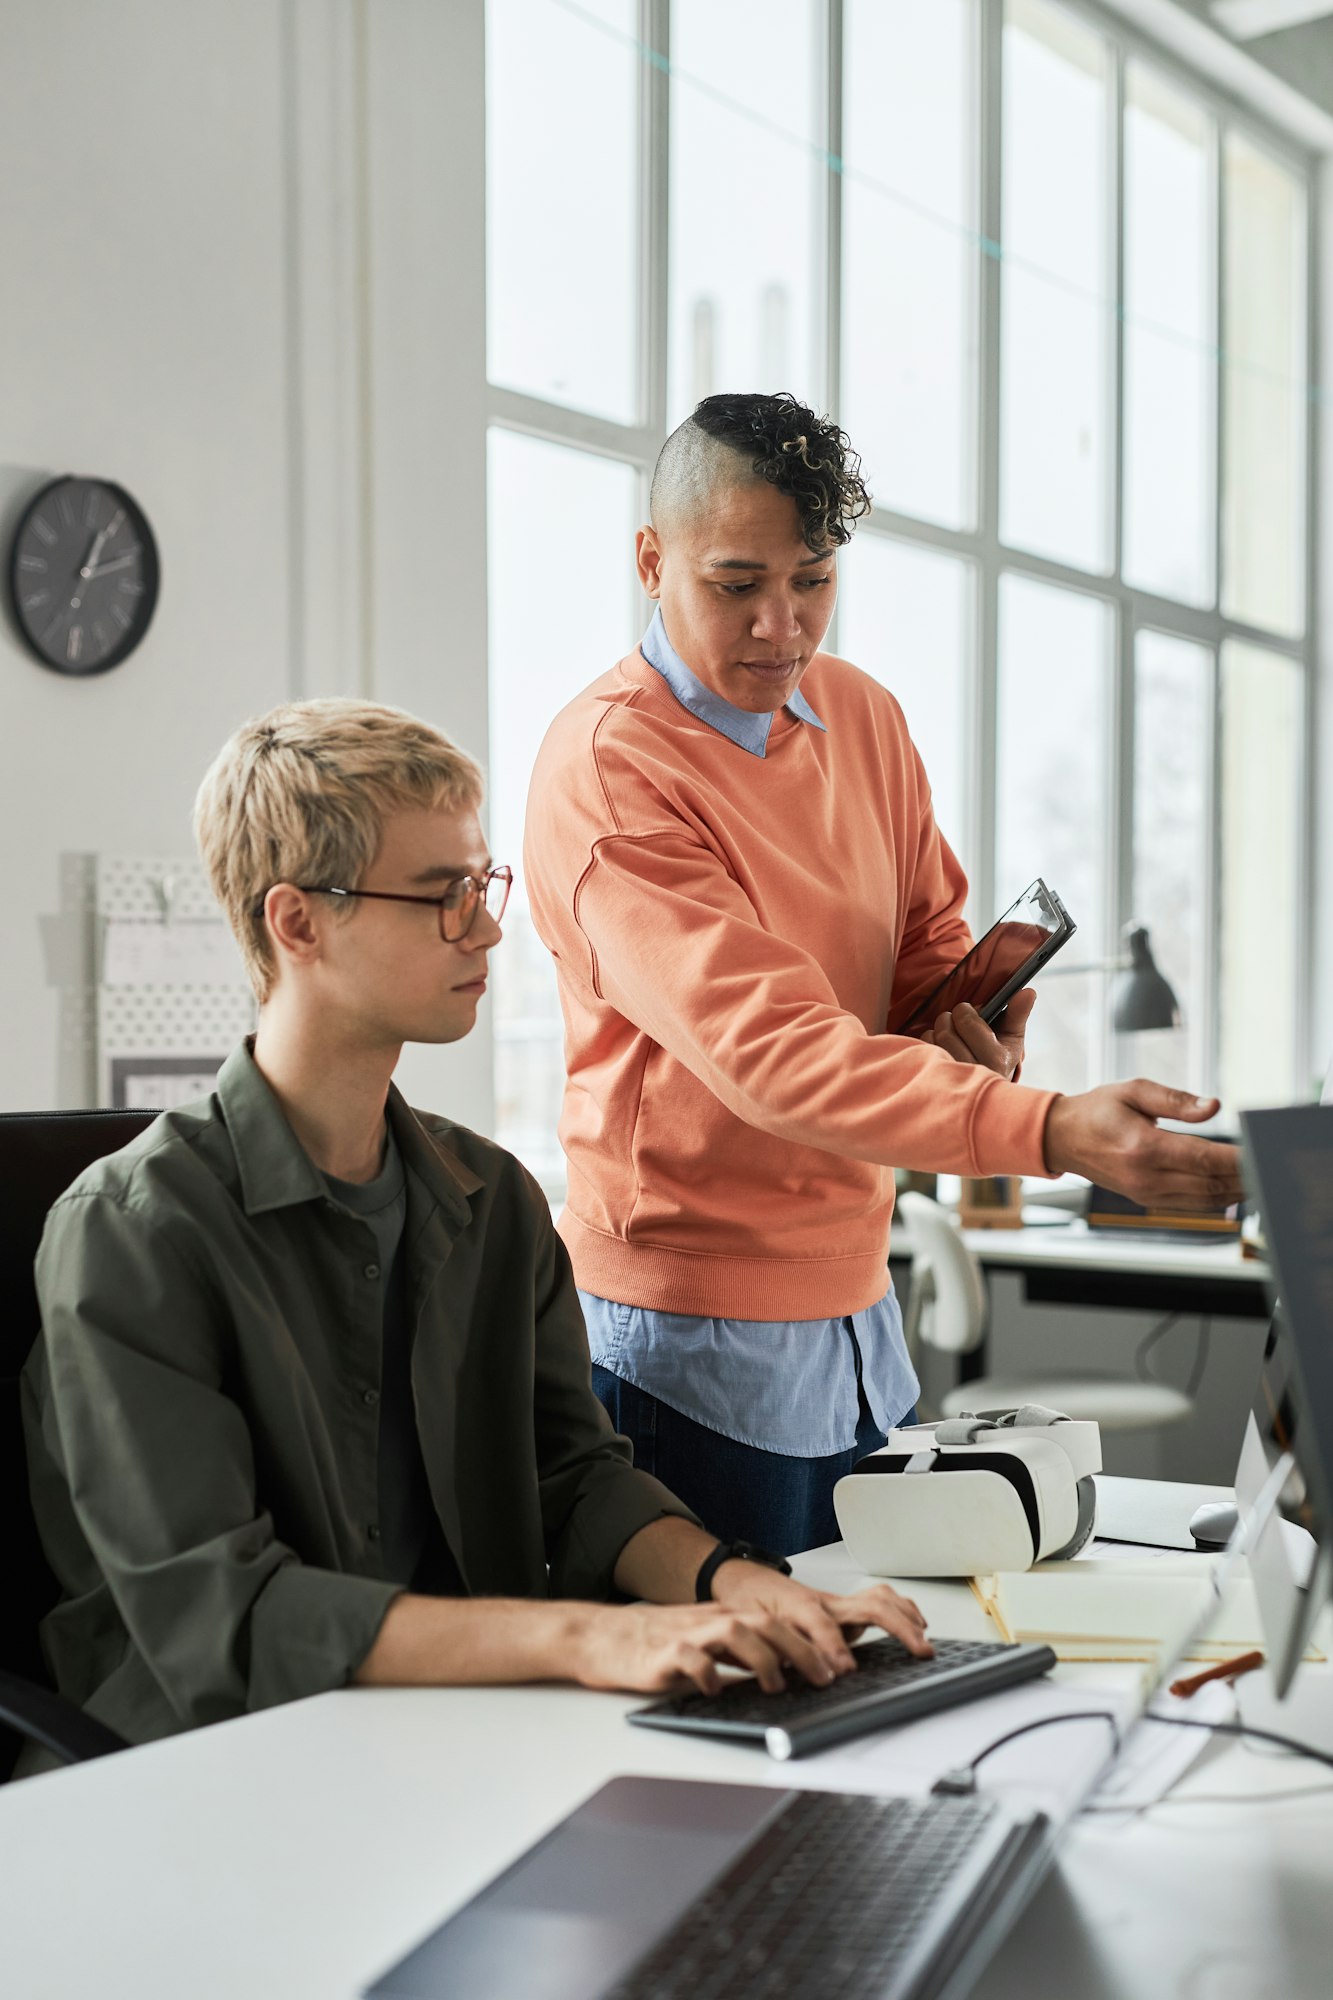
(839, 1895)
(890, 1685)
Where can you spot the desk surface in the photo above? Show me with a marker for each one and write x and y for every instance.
(299, 1852)
(1073, 1246)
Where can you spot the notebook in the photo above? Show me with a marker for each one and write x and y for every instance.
(1119, 1609)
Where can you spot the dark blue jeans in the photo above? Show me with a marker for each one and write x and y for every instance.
(740, 1493)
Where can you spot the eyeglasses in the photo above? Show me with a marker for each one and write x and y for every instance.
(458, 905)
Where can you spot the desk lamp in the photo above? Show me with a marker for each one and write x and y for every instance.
(1143, 998)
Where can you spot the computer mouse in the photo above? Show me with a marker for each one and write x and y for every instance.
(1213, 1524)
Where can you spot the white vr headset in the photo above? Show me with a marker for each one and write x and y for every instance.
(972, 1495)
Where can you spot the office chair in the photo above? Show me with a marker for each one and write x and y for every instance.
(947, 1309)
(41, 1152)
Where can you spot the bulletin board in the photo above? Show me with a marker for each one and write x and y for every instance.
(173, 998)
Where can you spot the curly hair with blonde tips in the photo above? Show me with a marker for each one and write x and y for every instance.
(301, 795)
(774, 438)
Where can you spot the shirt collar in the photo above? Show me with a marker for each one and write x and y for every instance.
(747, 731)
(274, 1167)
(277, 1172)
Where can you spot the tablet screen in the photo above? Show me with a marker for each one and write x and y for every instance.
(1011, 951)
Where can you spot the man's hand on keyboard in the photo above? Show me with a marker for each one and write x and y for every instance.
(660, 1648)
(759, 1619)
(829, 1622)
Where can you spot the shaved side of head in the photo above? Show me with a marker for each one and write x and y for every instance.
(748, 440)
(692, 468)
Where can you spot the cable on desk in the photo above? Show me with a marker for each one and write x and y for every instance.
(964, 1779)
(1245, 1729)
(1264, 1798)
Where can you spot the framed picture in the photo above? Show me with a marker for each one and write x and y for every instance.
(160, 1083)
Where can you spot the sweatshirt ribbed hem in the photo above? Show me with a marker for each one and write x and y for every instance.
(724, 1286)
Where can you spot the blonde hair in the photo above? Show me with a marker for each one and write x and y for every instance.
(301, 795)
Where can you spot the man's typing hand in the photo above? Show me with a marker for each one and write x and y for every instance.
(1111, 1136)
(963, 1035)
(658, 1648)
(828, 1621)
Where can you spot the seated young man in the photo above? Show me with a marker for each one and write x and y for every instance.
(312, 1402)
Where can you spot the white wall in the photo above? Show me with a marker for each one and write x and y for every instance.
(243, 259)
(143, 339)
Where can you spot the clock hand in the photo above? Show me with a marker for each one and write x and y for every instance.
(94, 552)
(105, 569)
(103, 537)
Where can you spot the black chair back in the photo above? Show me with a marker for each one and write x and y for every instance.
(41, 1153)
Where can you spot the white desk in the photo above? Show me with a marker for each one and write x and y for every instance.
(1066, 1263)
(1072, 1246)
(299, 1852)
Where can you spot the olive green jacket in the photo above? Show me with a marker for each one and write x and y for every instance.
(202, 1421)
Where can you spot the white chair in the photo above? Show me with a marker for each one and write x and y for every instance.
(947, 1309)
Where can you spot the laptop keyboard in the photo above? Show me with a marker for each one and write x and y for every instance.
(884, 1665)
(833, 1898)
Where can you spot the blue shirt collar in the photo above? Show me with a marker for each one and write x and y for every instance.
(747, 731)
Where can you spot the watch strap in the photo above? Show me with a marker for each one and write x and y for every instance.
(734, 1552)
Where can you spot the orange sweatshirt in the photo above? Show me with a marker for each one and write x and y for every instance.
(734, 937)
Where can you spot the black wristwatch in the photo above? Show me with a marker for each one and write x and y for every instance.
(733, 1552)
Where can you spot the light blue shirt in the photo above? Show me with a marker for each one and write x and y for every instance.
(788, 1386)
(749, 732)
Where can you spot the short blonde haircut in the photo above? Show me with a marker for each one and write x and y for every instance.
(301, 795)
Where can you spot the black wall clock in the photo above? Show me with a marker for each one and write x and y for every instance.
(83, 575)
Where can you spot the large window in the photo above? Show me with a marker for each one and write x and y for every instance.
(558, 615)
(562, 212)
(905, 614)
(745, 209)
(1052, 794)
(1170, 340)
(909, 253)
(1057, 291)
(1056, 333)
(1174, 749)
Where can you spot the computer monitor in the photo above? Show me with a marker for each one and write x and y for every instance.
(1289, 1167)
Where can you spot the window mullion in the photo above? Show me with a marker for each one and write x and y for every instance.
(1210, 1062)
(560, 424)
(832, 245)
(1313, 1061)
(654, 208)
(1116, 200)
(1121, 811)
(989, 55)
(832, 327)
(1120, 738)
(1212, 926)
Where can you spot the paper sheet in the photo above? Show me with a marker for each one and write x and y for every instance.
(193, 951)
(1155, 1757)
(1049, 1769)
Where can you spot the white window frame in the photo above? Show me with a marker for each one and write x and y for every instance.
(1133, 610)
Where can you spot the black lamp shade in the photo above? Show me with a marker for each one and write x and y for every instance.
(1143, 999)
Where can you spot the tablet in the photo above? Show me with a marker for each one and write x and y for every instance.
(1029, 934)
